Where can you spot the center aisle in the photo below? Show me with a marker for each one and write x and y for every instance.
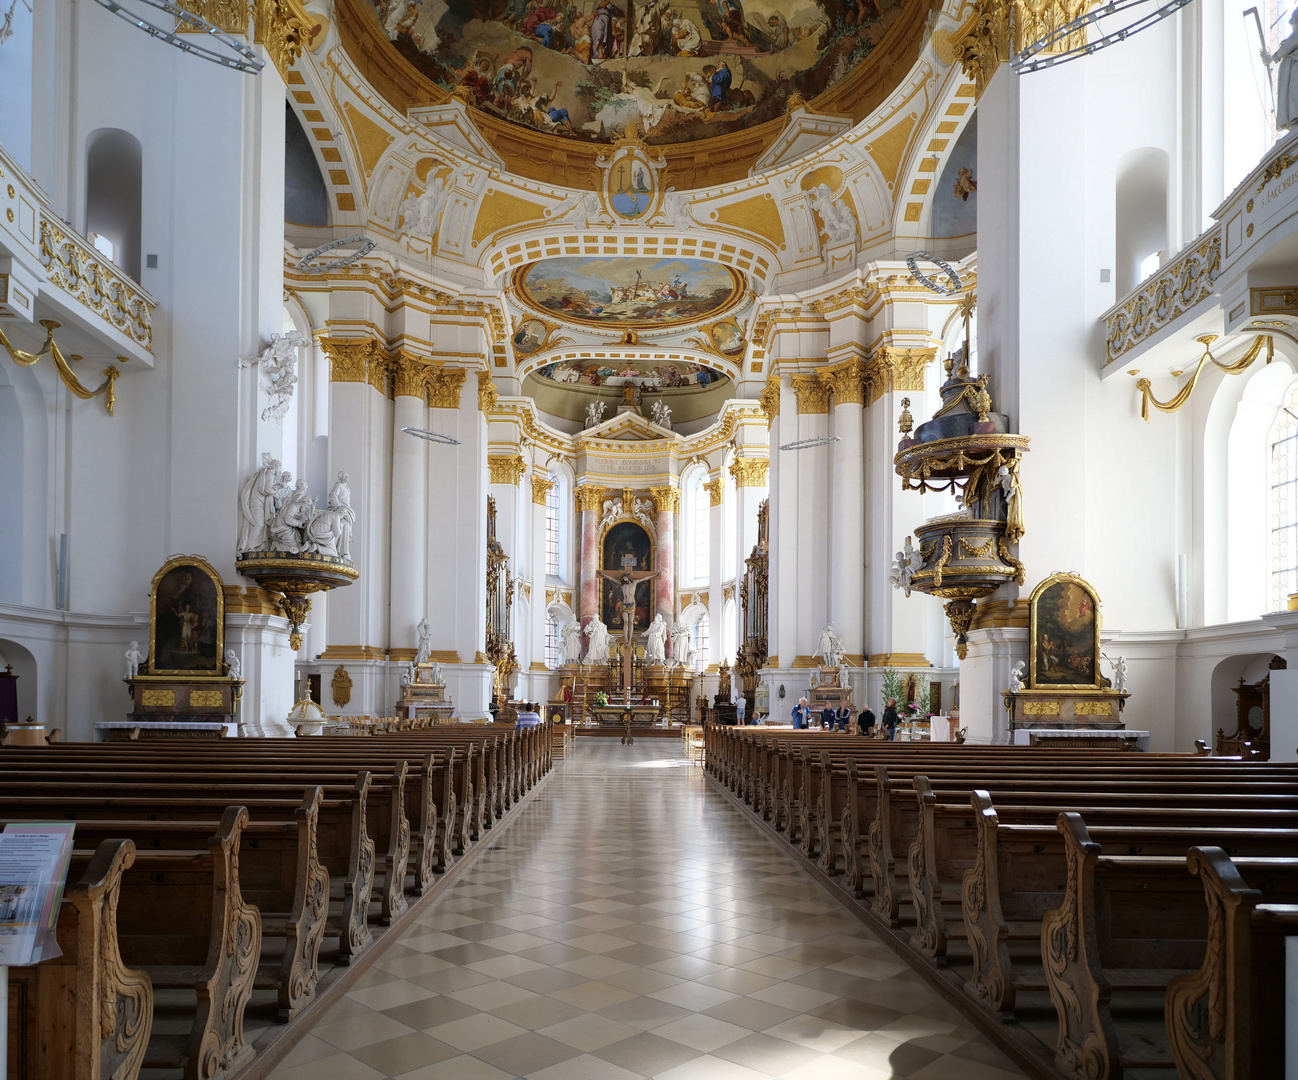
(631, 923)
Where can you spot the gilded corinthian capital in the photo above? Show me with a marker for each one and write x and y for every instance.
(667, 499)
(590, 497)
(408, 374)
(283, 27)
(444, 386)
(750, 472)
(812, 394)
(1001, 29)
(770, 399)
(541, 486)
(506, 468)
(487, 395)
(350, 358)
(891, 368)
(846, 381)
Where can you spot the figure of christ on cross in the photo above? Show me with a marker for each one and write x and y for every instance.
(626, 581)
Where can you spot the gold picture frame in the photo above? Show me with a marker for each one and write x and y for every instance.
(1064, 635)
(187, 618)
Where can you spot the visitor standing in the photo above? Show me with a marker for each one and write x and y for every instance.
(890, 719)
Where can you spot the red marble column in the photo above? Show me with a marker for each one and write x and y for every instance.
(668, 500)
(589, 499)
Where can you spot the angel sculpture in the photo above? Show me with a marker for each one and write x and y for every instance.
(279, 365)
(422, 214)
(594, 414)
(133, 658)
(1016, 678)
(233, 665)
(661, 414)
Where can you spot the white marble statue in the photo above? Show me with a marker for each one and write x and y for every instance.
(661, 414)
(644, 513)
(595, 414)
(233, 665)
(279, 366)
(1119, 679)
(329, 532)
(655, 641)
(407, 674)
(830, 647)
(683, 644)
(1286, 89)
(570, 642)
(597, 649)
(611, 512)
(438, 678)
(1016, 677)
(423, 642)
(907, 564)
(288, 527)
(257, 505)
(838, 220)
(133, 658)
(422, 214)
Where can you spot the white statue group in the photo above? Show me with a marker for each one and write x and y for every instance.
(904, 568)
(594, 414)
(837, 217)
(277, 515)
(661, 414)
(600, 642)
(830, 647)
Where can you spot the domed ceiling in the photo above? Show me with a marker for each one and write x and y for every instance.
(551, 82)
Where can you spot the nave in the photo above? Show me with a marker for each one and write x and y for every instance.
(630, 922)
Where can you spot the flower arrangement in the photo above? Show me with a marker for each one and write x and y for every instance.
(601, 698)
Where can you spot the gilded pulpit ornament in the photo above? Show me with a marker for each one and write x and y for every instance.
(289, 545)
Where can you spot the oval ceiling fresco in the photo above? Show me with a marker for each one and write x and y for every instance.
(653, 375)
(628, 292)
(682, 71)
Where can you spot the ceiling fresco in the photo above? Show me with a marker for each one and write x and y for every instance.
(652, 375)
(629, 291)
(682, 71)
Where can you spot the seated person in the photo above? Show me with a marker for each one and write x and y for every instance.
(842, 715)
(865, 721)
(527, 714)
(827, 718)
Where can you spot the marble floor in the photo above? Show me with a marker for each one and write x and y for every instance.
(630, 922)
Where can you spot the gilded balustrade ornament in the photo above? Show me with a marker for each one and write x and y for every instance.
(894, 369)
(1163, 298)
(750, 472)
(590, 498)
(78, 269)
(1183, 395)
(506, 468)
(487, 394)
(228, 15)
(812, 394)
(444, 386)
(667, 499)
(716, 490)
(999, 30)
(70, 380)
(541, 489)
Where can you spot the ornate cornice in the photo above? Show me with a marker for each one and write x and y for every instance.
(487, 395)
(667, 499)
(506, 468)
(541, 489)
(716, 489)
(750, 472)
(350, 358)
(892, 369)
(770, 399)
(813, 395)
(444, 386)
(590, 497)
(846, 381)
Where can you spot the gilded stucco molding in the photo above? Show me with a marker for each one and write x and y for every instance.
(590, 497)
(846, 381)
(667, 499)
(892, 369)
(541, 486)
(487, 395)
(506, 468)
(750, 472)
(444, 386)
(284, 27)
(1163, 298)
(770, 399)
(80, 271)
(1001, 29)
(228, 15)
(350, 358)
(812, 394)
(408, 375)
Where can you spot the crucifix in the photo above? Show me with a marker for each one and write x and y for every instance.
(627, 580)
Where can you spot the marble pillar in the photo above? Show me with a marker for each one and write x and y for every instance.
(668, 500)
(847, 507)
(814, 522)
(589, 499)
(409, 556)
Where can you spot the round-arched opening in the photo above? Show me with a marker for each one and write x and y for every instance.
(17, 660)
(114, 196)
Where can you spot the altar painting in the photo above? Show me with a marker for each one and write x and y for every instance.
(1064, 634)
(629, 291)
(626, 547)
(584, 69)
(187, 614)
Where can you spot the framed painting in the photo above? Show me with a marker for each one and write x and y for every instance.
(186, 618)
(1064, 635)
(626, 546)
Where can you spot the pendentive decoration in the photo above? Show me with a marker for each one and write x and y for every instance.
(290, 546)
(969, 450)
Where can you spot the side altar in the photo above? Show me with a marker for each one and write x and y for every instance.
(423, 693)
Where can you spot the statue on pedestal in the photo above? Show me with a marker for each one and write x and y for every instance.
(597, 650)
(233, 665)
(683, 644)
(656, 641)
(133, 659)
(424, 642)
(1286, 90)
(830, 647)
(570, 642)
(1016, 677)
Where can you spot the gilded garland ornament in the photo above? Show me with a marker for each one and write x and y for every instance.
(1183, 395)
(70, 380)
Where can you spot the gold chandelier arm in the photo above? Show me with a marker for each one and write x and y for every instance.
(1183, 395)
(25, 359)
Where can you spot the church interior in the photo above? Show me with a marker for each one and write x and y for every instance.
(596, 539)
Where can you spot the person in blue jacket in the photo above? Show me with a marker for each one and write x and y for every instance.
(801, 713)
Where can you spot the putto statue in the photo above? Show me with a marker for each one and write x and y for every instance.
(233, 665)
(597, 649)
(661, 414)
(655, 644)
(1016, 678)
(830, 647)
(908, 563)
(570, 642)
(277, 515)
(279, 366)
(423, 642)
(595, 414)
(839, 221)
(133, 658)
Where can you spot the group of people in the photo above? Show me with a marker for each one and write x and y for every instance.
(840, 719)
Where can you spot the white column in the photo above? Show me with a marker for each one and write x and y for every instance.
(409, 552)
(847, 511)
(814, 522)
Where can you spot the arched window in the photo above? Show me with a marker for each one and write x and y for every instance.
(114, 185)
(701, 642)
(552, 528)
(551, 643)
(697, 526)
(729, 631)
(1284, 503)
